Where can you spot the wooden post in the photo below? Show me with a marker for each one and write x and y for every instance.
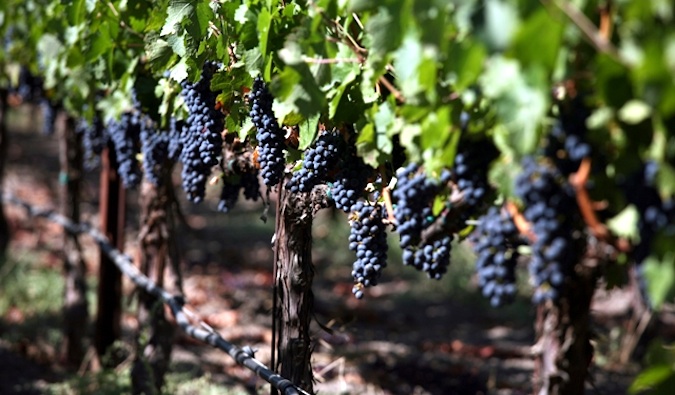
(112, 210)
(75, 308)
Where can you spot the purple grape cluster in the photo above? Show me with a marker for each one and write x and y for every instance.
(49, 112)
(431, 257)
(270, 136)
(201, 138)
(155, 150)
(350, 181)
(412, 197)
(318, 161)
(124, 134)
(551, 208)
(94, 139)
(495, 241)
(232, 186)
(368, 239)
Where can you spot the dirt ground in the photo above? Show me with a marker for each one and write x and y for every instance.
(408, 336)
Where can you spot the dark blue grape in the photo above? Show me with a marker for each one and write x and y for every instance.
(495, 242)
(94, 139)
(124, 135)
(200, 137)
(551, 209)
(350, 181)
(155, 150)
(49, 112)
(270, 136)
(318, 161)
(368, 239)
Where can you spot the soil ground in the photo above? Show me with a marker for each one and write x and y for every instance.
(409, 335)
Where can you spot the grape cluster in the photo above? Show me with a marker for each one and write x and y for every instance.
(49, 111)
(368, 239)
(566, 143)
(656, 213)
(269, 135)
(94, 139)
(125, 135)
(201, 135)
(29, 87)
(175, 146)
(350, 180)
(495, 242)
(155, 150)
(431, 257)
(470, 171)
(552, 210)
(412, 197)
(229, 195)
(318, 161)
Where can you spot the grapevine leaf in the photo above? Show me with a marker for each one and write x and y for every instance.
(651, 379)
(177, 12)
(538, 39)
(263, 28)
(660, 277)
(624, 224)
(160, 54)
(308, 130)
(634, 112)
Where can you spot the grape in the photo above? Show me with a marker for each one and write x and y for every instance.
(269, 135)
(551, 208)
(229, 195)
(124, 135)
(49, 112)
(469, 173)
(94, 139)
(318, 161)
(201, 134)
(175, 145)
(412, 197)
(368, 239)
(495, 241)
(565, 143)
(656, 213)
(432, 257)
(29, 86)
(155, 150)
(350, 181)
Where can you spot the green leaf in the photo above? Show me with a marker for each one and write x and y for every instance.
(651, 378)
(539, 38)
(264, 23)
(501, 22)
(177, 12)
(308, 131)
(634, 112)
(624, 224)
(520, 102)
(660, 277)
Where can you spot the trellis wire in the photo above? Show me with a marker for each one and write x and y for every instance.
(243, 356)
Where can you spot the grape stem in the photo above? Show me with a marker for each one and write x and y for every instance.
(524, 227)
(578, 181)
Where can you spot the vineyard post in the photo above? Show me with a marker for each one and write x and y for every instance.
(4, 149)
(153, 356)
(112, 210)
(75, 309)
(295, 273)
